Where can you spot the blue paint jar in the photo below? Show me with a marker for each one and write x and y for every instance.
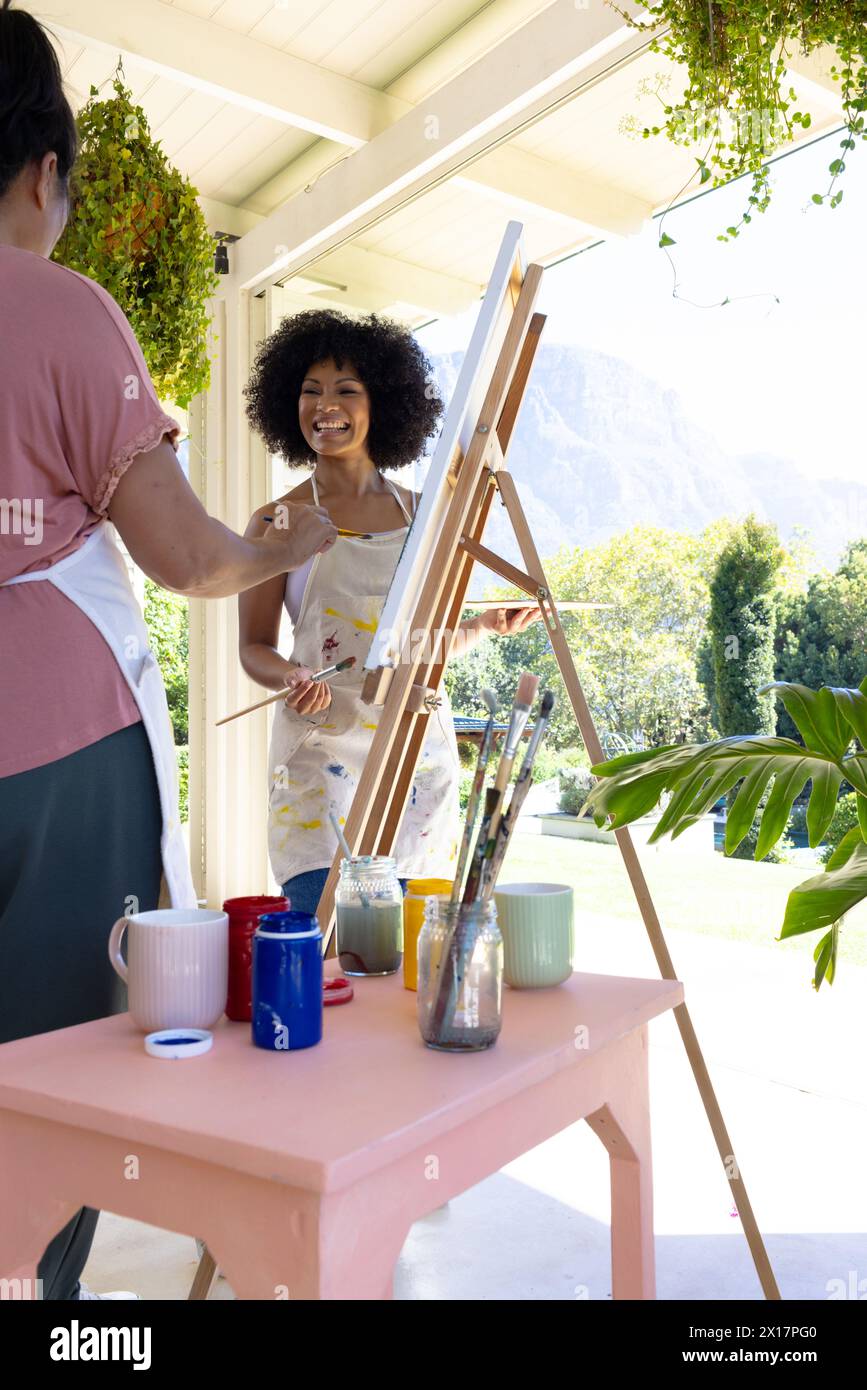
(287, 981)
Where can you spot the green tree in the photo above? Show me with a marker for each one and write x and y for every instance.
(741, 626)
(167, 618)
(791, 582)
(635, 657)
(822, 634)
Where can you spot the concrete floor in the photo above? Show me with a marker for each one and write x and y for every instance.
(788, 1069)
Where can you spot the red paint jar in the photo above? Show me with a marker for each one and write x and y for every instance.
(244, 914)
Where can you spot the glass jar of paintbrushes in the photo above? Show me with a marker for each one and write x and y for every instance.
(460, 976)
(369, 904)
(461, 950)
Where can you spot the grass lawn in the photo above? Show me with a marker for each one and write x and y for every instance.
(708, 893)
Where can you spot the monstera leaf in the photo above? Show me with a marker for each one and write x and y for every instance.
(697, 775)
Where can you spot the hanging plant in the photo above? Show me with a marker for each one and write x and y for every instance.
(135, 226)
(738, 101)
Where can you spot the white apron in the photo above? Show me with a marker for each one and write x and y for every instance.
(95, 579)
(316, 760)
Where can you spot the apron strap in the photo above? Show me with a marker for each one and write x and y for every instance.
(399, 501)
(388, 483)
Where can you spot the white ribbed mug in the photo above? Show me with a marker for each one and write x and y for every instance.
(536, 923)
(178, 966)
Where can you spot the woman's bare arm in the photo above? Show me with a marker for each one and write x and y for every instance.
(174, 540)
(259, 612)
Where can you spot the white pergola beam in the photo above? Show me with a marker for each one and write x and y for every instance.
(537, 66)
(389, 279)
(225, 217)
(522, 179)
(355, 277)
(237, 69)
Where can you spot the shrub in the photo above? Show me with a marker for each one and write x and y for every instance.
(575, 785)
(844, 818)
(168, 622)
(465, 781)
(550, 762)
(798, 818)
(468, 753)
(183, 755)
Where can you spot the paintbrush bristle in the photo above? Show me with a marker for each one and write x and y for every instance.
(547, 704)
(527, 687)
(490, 700)
(345, 664)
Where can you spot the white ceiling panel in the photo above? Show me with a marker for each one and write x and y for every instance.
(235, 175)
(281, 22)
(205, 9)
(236, 156)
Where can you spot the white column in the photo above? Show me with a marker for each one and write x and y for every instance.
(228, 765)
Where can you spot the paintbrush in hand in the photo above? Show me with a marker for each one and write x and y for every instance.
(281, 694)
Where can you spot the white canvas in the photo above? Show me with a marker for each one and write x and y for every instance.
(458, 427)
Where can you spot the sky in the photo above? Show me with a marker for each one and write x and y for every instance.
(785, 378)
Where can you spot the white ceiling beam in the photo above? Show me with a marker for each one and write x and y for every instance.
(389, 279)
(524, 181)
(543, 63)
(477, 35)
(367, 301)
(225, 217)
(237, 69)
(358, 277)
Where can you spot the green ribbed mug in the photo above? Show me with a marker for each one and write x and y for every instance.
(537, 924)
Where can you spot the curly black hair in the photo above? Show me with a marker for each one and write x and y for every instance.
(405, 405)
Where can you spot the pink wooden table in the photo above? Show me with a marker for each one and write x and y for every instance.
(304, 1171)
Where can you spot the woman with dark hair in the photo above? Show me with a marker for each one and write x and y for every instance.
(351, 397)
(88, 797)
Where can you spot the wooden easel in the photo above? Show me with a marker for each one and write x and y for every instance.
(406, 691)
(384, 786)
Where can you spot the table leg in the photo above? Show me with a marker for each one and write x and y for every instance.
(28, 1227)
(623, 1125)
(272, 1240)
(276, 1244)
(205, 1277)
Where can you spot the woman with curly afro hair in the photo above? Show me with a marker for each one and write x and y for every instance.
(352, 398)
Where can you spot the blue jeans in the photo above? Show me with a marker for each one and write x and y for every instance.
(305, 890)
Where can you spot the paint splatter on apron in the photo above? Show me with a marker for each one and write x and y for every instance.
(316, 760)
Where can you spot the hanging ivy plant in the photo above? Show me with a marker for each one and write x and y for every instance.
(738, 101)
(135, 226)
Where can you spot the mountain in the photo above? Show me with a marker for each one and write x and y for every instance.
(600, 447)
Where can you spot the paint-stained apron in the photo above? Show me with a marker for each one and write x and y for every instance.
(316, 760)
(95, 579)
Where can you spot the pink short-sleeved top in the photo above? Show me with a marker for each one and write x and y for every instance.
(76, 406)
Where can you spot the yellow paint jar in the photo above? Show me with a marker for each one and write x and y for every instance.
(417, 891)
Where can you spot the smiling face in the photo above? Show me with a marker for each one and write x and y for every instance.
(334, 409)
